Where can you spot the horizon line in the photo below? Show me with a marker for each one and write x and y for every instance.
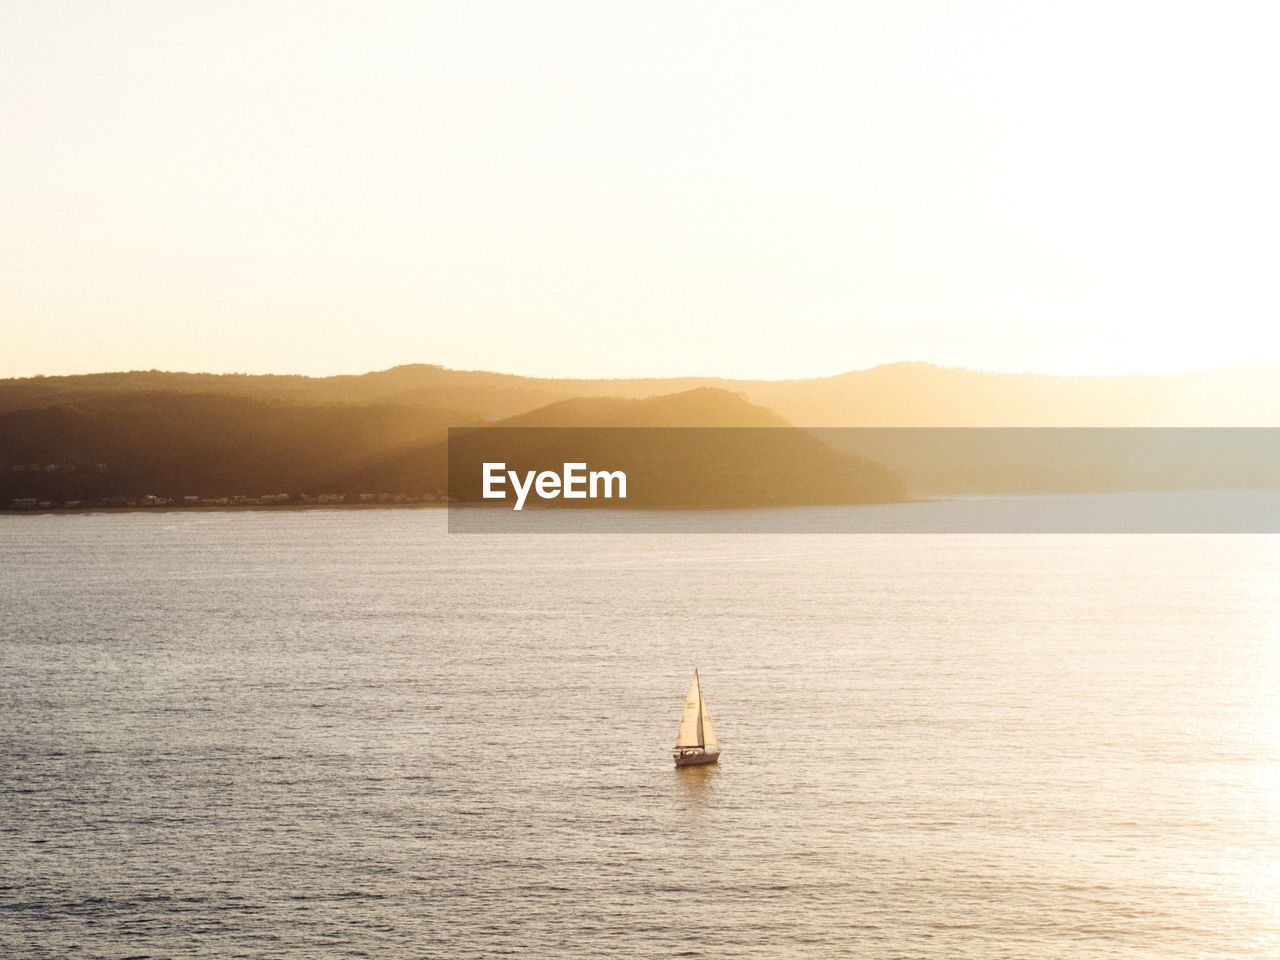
(1137, 374)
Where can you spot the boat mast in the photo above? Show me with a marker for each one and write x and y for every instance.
(702, 740)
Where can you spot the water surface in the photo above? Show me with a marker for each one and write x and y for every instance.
(349, 733)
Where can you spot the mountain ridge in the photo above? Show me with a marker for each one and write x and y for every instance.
(907, 393)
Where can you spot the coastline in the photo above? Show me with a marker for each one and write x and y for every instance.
(228, 508)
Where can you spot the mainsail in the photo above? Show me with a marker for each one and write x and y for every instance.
(694, 720)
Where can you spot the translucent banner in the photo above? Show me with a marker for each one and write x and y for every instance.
(858, 480)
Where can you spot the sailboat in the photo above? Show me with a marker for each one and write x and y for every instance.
(696, 742)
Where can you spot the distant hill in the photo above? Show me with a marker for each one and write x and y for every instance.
(699, 407)
(701, 448)
(922, 395)
(700, 464)
(83, 444)
(185, 434)
(181, 444)
(894, 395)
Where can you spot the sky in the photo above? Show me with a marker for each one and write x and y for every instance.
(603, 189)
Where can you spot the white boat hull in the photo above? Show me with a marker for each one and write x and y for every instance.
(694, 757)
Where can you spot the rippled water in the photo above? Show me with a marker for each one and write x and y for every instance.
(349, 733)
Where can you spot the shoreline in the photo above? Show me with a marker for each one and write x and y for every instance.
(227, 508)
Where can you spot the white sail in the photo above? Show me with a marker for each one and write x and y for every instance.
(690, 734)
(708, 732)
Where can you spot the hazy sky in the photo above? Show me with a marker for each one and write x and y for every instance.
(743, 189)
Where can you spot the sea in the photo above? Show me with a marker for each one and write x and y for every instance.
(351, 733)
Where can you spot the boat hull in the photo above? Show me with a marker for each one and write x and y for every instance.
(693, 758)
